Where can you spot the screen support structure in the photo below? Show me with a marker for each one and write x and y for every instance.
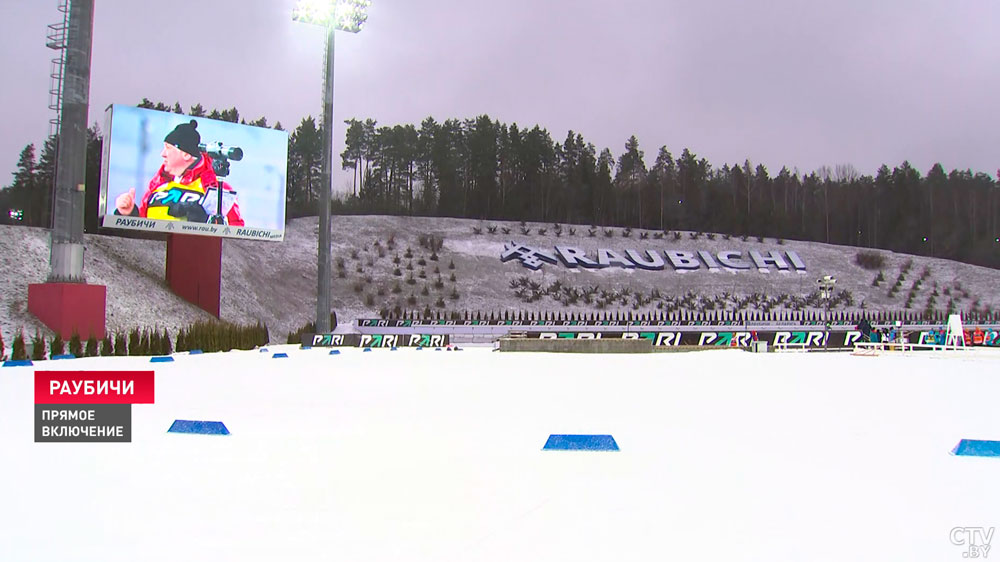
(65, 302)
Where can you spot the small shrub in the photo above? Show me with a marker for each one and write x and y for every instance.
(107, 349)
(37, 347)
(57, 346)
(396, 289)
(452, 278)
(91, 350)
(451, 264)
(166, 347)
(18, 350)
(369, 299)
(870, 260)
(75, 345)
(439, 303)
(430, 242)
(453, 295)
(477, 230)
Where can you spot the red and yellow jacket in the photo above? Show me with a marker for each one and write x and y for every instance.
(164, 190)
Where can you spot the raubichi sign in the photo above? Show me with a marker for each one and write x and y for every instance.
(654, 260)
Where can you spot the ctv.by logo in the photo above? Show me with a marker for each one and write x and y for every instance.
(976, 540)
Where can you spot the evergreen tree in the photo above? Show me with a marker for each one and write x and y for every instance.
(37, 347)
(57, 346)
(121, 346)
(107, 349)
(18, 351)
(75, 345)
(91, 350)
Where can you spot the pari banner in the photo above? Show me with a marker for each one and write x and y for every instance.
(375, 340)
(167, 172)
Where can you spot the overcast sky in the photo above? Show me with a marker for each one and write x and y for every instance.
(783, 82)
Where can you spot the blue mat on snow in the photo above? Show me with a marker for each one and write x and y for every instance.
(199, 427)
(976, 448)
(580, 443)
(18, 363)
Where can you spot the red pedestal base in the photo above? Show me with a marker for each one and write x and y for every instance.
(68, 308)
(194, 269)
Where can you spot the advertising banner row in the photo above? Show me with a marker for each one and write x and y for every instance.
(665, 338)
(578, 324)
(375, 340)
(744, 338)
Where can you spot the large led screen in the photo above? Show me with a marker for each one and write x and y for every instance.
(174, 173)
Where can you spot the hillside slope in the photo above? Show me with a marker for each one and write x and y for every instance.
(276, 282)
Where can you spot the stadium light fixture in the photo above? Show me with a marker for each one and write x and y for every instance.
(342, 15)
(334, 15)
(826, 284)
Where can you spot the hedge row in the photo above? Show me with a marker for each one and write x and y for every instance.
(206, 336)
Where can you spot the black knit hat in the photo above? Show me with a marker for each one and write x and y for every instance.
(185, 137)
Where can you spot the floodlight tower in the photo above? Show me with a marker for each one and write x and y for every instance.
(343, 15)
(66, 251)
(65, 302)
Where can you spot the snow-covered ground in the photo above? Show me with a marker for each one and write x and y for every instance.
(437, 456)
